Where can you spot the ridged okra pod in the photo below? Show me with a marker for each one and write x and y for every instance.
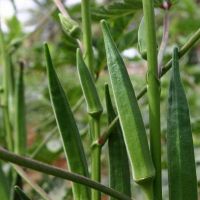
(94, 107)
(20, 115)
(129, 113)
(181, 162)
(68, 130)
(119, 172)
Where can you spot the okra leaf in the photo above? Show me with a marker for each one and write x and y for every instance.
(20, 193)
(181, 162)
(119, 172)
(69, 133)
(128, 111)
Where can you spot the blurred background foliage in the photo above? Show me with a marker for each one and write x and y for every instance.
(24, 41)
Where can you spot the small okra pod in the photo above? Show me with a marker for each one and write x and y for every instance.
(20, 194)
(70, 26)
(94, 107)
(142, 45)
(128, 111)
(69, 132)
(180, 150)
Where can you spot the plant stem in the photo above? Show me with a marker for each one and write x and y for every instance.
(54, 171)
(95, 156)
(5, 103)
(87, 34)
(153, 93)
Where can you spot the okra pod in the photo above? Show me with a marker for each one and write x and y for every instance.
(69, 132)
(142, 45)
(94, 107)
(129, 113)
(181, 162)
(118, 159)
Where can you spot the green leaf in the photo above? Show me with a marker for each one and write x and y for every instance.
(129, 113)
(68, 130)
(118, 159)
(181, 162)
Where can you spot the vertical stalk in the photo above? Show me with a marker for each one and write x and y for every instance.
(87, 34)
(5, 103)
(95, 156)
(153, 95)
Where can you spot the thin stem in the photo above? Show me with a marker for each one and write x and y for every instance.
(38, 189)
(5, 103)
(61, 8)
(105, 135)
(95, 156)
(87, 34)
(54, 171)
(153, 95)
(163, 44)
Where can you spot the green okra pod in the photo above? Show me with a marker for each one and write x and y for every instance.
(142, 44)
(94, 106)
(181, 162)
(20, 194)
(20, 114)
(129, 113)
(69, 132)
(119, 172)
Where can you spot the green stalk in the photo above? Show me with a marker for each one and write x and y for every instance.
(5, 103)
(87, 34)
(20, 116)
(64, 174)
(95, 156)
(153, 95)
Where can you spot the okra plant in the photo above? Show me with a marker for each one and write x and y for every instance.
(136, 148)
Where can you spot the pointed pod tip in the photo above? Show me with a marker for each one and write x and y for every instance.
(104, 24)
